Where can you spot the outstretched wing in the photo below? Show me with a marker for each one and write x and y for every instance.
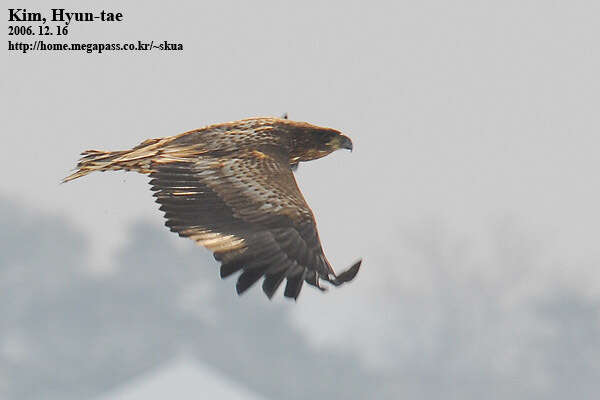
(247, 209)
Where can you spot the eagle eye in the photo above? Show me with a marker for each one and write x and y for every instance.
(327, 137)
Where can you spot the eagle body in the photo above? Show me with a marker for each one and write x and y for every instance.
(231, 188)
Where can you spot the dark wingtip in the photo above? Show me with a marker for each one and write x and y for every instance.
(294, 285)
(229, 268)
(247, 279)
(347, 275)
(272, 283)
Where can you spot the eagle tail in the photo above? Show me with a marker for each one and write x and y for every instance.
(137, 159)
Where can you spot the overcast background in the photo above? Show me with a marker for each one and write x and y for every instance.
(472, 195)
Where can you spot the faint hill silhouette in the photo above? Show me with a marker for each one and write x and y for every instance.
(68, 335)
(477, 331)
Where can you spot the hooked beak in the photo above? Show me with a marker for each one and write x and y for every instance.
(345, 143)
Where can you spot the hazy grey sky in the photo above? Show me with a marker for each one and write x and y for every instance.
(472, 122)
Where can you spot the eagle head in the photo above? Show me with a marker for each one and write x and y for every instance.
(312, 142)
(338, 141)
(329, 140)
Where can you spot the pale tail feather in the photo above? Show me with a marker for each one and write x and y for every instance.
(94, 160)
(138, 159)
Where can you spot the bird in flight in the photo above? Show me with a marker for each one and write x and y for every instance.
(231, 188)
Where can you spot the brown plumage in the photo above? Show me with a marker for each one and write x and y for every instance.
(230, 187)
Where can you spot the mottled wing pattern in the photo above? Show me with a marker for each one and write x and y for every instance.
(247, 209)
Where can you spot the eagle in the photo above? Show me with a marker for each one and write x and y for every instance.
(231, 188)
